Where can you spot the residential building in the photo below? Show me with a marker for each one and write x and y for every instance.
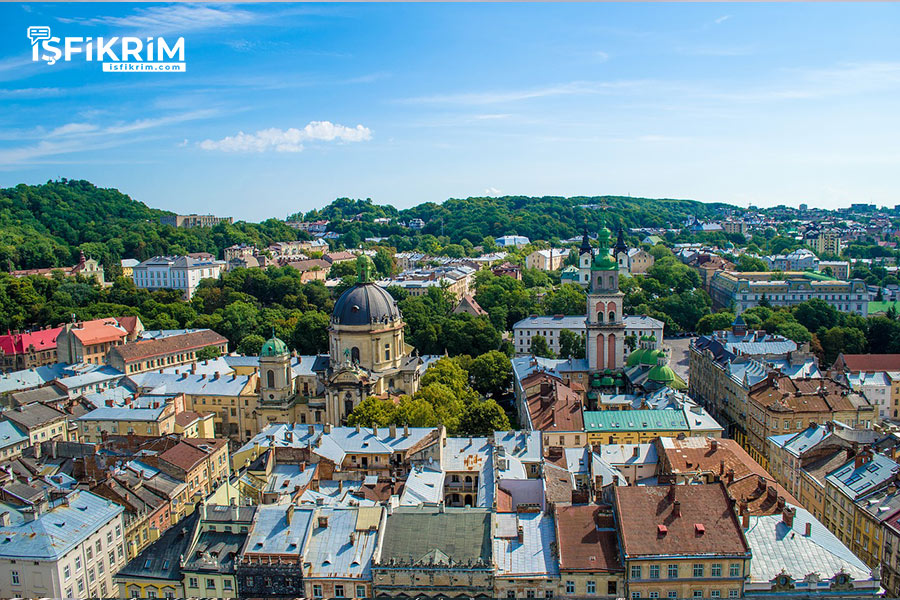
(194, 220)
(525, 555)
(208, 568)
(164, 352)
(826, 241)
(146, 512)
(507, 269)
(416, 224)
(794, 555)
(645, 425)
(338, 554)
(890, 556)
(468, 305)
(87, 267)
(681, 542)
(845, 490)
(638, 261)
(40, 422)
(743, 290)
(311, 226)
(736, 226)
(800, 259)
(12, 441)
(707, 265)
(635, 462)
(29, 349)
(876, 376)
(779, 405)
(551, 326)
(549, 406)
(192, 424)
(456, 280)
(313, 269)
(840, 269)
(547, 260)
(203, 464)
(156, 571)
(182, 273)
(67, 547)
(135, 473)
(589, 560)
(441, 552)
(91, 341)
(156, 421)
(270, 564)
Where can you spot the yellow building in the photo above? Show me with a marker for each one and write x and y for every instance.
(190, 424)
(645, 425)
(589, 560)
(681, 541)
(110, 420)
(41, 422)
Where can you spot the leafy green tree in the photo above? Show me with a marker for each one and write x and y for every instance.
(816, 314)
(848, 340)
(208, 352)
(373, 412)
(310, 335)
(447, 404)
(540, 347)
(346, 268)
(571, 344)
(482, 418)
(416, 412)
(751, 263)
(568, 299)
(251, 345)
(491, 373)
(715, 322)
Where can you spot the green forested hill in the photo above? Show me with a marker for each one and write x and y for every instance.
(47, 225)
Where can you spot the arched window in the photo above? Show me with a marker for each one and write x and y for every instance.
(348, 406)
(270, 378)
(600, 316)
(612, 317)
(354, 354)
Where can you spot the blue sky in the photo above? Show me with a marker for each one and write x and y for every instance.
(285, 107)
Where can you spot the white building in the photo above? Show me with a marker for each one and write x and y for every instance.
(547, 260)
(416, 224)
(551, 326)
(876, 387)
(182, 273)
(512, 241)
(68, 547)
(798, 260)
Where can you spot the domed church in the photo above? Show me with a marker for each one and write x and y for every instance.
(367, 356)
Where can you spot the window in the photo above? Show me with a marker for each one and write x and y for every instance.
(734, 570)
(635, 571)
(118, 531)
(135, 593)
(570, 587)
(715, 594)
(112, 558)
(698, 593)
(77, 563)
(360, 591)
(100, 568)
(529, 594)
(592, 587)
(548, 594)
(151, 593)
(715, 570)
(14, 577)
(654, 571)
(226, 584)
(68, 592)
(654, 594)
(91, 575)
(80, 585)
(210, 583)
(192, 582)
(98, 546)
(698, 569)
(611, 588)
(732, 593)
(635, 595)
(510, 594)
(673, 594)
(67, 572)
(338, 591)
(673, 572)
(317, 591)
(89, 553)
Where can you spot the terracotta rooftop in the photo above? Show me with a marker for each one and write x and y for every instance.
(554, 406)
(809, 394)
(856, 363)
(703, 521)
(744, 478)
(192, 340)
(98, 331)
(185, 418)
(587, 539)
(188, 453)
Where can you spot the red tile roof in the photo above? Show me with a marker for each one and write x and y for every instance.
(188, 453)
(587, 539)
(18, 343)
(554, 406)
(869, 363)
(642, 509)
(99, 331)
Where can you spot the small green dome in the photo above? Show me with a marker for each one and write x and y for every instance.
(604, 234)
(634, 359)
(651, 357)
(607, 371)
(273, 347)
(603, 262)
(607, 382)
(662, 374)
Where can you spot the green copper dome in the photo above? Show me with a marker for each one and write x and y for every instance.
(662, 374)
(606, 381)
(603, 262)
(273, 347)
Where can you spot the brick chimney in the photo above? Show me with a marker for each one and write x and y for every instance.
(808, 530)
(780, 503)
(676, 509)
(729, 476)
(787, 516)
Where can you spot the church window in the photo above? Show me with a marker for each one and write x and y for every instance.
(270, 378)
(612, 317)
(387, 352)
(354, 354)
(600, 317)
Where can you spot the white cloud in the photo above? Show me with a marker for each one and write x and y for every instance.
(601, 56)
(288, 140)
(176, 18)
(722, 19)
(492, 191)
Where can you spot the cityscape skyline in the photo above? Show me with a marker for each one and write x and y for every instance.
(404, 104)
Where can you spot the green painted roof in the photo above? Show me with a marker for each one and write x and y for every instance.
(634, 420)
(662, 374)
(603, 262)
(273, 347)
(462, 535)
(607, 381)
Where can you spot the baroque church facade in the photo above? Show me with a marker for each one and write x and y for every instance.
(367, 356)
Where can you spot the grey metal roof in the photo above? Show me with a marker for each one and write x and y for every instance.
(533, 557)
(10, 435)
(365, 303)
(273, 534)
(341, 549)
(856, 481)
(111, 413)
(426, 536)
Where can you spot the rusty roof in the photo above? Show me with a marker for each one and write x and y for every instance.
(587, 539)
(554, 406)
(707, 523)
(193, 340)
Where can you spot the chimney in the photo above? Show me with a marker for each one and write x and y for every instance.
(713, 444)
(729, 476)
(771, 494)
(808, 530)
(323, 521)
(520, 534)
(761, 484)
(374, 429)
(636, 452)
(721, 468)
(109, 402)
(788, 516)
(357, 428)
(311, 429)
(671, 495)
(37, 451)
(393, 430)
(289, 514)
(676, 509)
(327, 428)
(406, 431)
(4, 519)
(745, 520)
(780, 503)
